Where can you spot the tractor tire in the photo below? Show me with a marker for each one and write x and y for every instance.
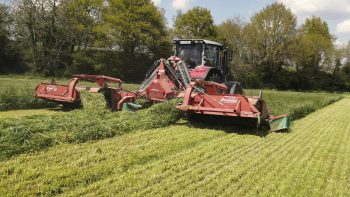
(234, 87)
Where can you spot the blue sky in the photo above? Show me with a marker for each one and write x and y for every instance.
(335, 12)
(220, 9)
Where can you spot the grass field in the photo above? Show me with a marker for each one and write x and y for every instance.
(312, 160)
(25, 113)
(179, 158)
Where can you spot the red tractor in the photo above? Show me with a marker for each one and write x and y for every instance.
(206, 60)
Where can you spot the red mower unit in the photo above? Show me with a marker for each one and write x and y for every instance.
(165, 80)
(69, 94)
(210, 98)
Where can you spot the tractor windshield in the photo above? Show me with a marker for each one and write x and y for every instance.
(191, 54)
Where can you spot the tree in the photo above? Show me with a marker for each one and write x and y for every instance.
(230, 33)
(40, 28)
(315, 53)
(347, 52)
(10, 54)
(268, 38)
(196, 23)
(137, 30)
(4, 33)
(82, 20)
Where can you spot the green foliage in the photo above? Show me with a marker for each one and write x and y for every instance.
(82, 63)
(82, 20)
(315, 25)
(196, 23)
(314, 56)
(268, 38)
(231, 35)
(345, 71)
(117, 37)
(11, 59)
(136, 27)
(123, 37)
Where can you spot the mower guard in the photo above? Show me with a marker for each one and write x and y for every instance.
(131, 107)
(279, 123)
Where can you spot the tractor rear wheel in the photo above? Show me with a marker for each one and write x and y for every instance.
(234, 87)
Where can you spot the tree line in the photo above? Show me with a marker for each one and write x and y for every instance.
(123, 37)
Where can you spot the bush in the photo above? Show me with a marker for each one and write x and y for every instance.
(82, 63)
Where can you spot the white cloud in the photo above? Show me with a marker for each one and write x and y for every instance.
(182, 4)
(157, 2)
(344, 27)
(332, 9)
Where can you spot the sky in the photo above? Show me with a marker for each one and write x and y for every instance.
(335, 12)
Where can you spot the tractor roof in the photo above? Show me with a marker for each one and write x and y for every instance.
(199, 40)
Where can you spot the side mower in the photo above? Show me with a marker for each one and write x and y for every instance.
(210, 98)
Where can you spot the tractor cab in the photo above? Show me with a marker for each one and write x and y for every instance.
(207, 60)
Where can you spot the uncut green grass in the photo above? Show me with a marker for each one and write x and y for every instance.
(296, 104)
(312, 160)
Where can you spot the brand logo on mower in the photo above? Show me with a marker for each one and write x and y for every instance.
(51, 88)
(229, 99)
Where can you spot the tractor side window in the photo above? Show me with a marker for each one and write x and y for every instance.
(212, 55)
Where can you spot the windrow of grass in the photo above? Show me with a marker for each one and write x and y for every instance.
(296, 104)
(313, 160)
(93, 122)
